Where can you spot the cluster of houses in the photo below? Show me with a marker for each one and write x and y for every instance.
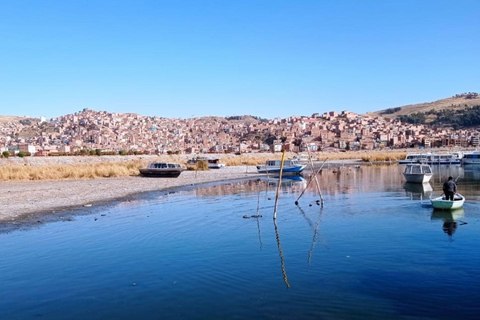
(130, 132)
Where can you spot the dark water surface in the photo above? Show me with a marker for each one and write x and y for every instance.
(377, 250)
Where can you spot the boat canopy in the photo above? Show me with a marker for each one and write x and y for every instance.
(418, 168)
(163, 165)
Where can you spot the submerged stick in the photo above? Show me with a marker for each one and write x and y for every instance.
(279, 186)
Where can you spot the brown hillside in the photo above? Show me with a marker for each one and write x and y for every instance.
(456, 102)
(5, 119)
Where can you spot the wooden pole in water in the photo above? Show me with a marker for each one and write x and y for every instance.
(311, 179)
(315, 176)
(279, 185)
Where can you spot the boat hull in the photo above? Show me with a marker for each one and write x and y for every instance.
(216, 165)
(286, 170)
(161, 173)
(418, 178)
(440, 203)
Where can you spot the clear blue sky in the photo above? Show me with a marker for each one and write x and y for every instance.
(204, 57)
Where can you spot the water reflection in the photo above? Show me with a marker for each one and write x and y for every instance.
(258, 222)
(314, 227)
(450, 219)
(286, 180)
(418, 191)
(442, 172)
(289, 185)
(472, 171)
(315, 234)
(351, 180)
(280, 252)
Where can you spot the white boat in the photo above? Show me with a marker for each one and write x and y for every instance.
(213, 163)
(290, 166)
(418, 173)
(162, 169)
(441, 203)
(471, 158)
(431, 158)
(302, 158)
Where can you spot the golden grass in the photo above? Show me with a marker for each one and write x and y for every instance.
(368, 156)
(383, 156)
(77, 171)
(249, 160)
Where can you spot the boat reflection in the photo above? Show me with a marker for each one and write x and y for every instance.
(450, 219)
(297, 182)
(472, 171)
(418, 191)
(285, 179)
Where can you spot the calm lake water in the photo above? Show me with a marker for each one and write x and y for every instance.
(377, 250)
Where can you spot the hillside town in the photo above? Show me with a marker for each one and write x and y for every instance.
(122, 133)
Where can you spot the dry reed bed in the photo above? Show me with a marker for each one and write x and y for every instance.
(77, 171)
(122, 169)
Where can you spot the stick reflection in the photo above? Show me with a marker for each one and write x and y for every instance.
(282, 262)
(315, 233)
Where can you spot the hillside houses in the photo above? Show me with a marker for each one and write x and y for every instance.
(115, 132)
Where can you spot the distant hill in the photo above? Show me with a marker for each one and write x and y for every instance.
(455, 103)
(5, 119)
(431, 111)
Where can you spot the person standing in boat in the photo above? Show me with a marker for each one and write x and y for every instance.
(449, 188)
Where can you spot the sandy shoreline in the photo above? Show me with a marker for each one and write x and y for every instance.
(23, 199)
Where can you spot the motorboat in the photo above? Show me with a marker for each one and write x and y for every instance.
(443, 204)
(431, 158)
(213, 163)
(302, 158)
(290, 166)
(162, 169)
(418, 173)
